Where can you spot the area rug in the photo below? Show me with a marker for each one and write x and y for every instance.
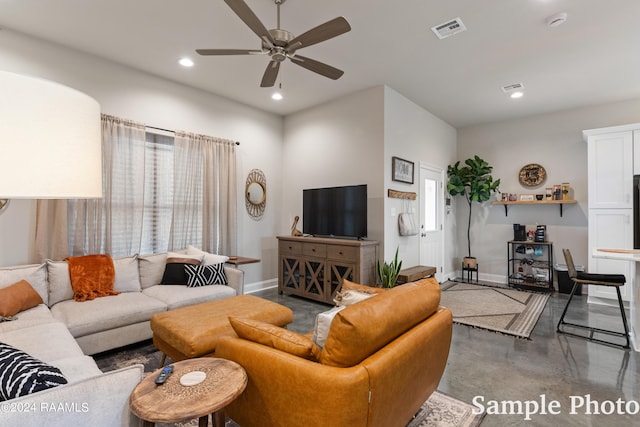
(508, 311)
(440, 410)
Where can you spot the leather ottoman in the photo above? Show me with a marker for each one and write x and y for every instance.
(194, 331)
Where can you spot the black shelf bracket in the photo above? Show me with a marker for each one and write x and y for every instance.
(506, 209)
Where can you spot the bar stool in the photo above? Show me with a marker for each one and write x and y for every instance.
(614, 280)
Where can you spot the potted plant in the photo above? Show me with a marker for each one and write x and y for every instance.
(388, 272)
(475, 183)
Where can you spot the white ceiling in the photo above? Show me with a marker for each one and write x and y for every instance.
(592, 59)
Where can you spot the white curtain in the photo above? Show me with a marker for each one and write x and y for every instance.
(51, 239)
(108, 225)
(113, 224)
(204, 197)
(200, 206)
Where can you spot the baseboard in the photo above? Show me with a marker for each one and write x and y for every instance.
(607, 302)
(250, 288)
(484, 277)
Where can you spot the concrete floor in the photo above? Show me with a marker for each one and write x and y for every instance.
(493, 368)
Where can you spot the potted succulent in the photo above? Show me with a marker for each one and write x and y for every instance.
(475, 183)
(388, 272)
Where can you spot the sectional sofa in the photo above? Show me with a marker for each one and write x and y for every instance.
(64, 333)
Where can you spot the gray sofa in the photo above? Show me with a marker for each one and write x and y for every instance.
(64, 333)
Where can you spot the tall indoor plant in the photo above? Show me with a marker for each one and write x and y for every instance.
(475, 183)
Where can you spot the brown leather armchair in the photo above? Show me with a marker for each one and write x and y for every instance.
(382, 360)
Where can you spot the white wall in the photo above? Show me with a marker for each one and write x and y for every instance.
(334, 144)
(555, 142)
(351, 140)
(128, 93)
(414, 134)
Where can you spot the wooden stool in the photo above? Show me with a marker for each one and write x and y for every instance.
(615, 280)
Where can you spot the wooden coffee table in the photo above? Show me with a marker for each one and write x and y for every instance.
(172, 402)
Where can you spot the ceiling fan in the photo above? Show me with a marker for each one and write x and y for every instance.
(280, 44)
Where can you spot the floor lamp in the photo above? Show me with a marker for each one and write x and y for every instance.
(50, 141)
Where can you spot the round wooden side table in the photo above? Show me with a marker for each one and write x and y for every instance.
(172, 402)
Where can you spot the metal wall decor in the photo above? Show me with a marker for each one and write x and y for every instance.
(532, 175)
(256, 194)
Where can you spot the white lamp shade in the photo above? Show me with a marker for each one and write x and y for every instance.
(50, 140)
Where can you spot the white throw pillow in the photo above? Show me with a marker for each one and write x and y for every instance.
(206, 257)
(59, 282)
(322, 325)
(35, 274)
(151, 269)
(127, 277)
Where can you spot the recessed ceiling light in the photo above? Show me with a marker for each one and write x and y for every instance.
(185, 62)
(277, 96)
(516, 95)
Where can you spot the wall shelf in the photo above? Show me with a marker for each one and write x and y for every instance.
(536, 202)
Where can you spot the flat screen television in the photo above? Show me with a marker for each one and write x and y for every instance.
(335, 211)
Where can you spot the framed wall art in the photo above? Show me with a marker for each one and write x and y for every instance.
(401, 170)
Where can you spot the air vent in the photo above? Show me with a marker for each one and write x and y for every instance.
(512, 87)
(449, 28)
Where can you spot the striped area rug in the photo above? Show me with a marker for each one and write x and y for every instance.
(508, 311)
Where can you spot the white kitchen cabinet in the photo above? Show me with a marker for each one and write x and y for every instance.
(610, 228)
(611, 166)
(610, 170)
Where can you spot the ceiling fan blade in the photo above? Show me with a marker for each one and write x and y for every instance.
(250, 19)
(317, 67)
(270, 74)
(228, 52)
(322, 32)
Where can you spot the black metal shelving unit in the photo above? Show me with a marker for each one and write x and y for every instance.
(530, 265)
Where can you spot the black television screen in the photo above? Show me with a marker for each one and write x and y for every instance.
(335, 211)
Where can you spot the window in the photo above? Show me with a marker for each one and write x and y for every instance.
(158, 193)
(430, 205)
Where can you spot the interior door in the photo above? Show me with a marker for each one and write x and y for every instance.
(431, 218)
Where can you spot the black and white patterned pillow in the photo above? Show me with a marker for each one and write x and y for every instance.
(204, 275)
(21, 374)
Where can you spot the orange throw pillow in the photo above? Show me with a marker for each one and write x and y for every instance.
(92, 276)
(18, 297)
(275, 337)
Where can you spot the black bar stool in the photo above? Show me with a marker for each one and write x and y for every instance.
(615, 280)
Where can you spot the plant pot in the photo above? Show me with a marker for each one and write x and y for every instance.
(470, 263)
